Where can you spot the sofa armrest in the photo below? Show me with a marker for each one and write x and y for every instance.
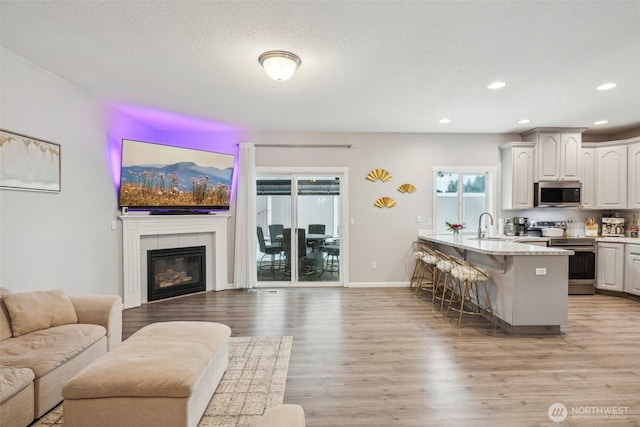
(103, 310)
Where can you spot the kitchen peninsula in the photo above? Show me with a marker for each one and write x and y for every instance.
(528, 284)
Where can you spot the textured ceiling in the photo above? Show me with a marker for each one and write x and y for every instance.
(367, 66)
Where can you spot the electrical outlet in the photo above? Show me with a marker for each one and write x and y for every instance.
(114, 224)
(374, 265)
(429, 221)
(541, 271)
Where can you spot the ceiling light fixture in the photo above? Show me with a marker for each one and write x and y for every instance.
(601, 122)
(524, 121)
(606, 86)
(496, 85)
(444, 120)
(279, 65)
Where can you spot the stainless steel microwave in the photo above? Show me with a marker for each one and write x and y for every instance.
(557, 193)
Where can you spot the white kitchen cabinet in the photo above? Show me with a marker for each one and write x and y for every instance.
(557, 154)
(570, 144)
(517, 173)
(632, 269)
(610, 268)
(633, 155)
(587, 176)
(611, 177)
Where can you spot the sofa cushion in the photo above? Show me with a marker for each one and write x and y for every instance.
(13, 380)
(45, 350)
(5, 320)
(33, 311)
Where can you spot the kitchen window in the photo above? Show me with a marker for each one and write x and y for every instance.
(461, 194)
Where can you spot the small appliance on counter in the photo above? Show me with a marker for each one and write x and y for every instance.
(521, 224)
(613, 226)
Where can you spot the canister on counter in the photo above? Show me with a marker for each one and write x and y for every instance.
(590, 227)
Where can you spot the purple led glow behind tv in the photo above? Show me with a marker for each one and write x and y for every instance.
(133, 122)
(165, 177)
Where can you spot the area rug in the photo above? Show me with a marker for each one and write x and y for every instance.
(254, 382)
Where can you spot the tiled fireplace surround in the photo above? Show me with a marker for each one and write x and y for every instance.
(143, 232)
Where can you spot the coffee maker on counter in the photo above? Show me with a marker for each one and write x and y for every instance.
(521, 223)
(613, 226)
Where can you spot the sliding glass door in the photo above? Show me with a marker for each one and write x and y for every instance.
(299, 228)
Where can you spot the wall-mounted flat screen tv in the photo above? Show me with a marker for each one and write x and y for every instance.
(163, 178)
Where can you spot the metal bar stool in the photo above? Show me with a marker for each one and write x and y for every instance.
(466, 291)
(423, 271)
(444, 279)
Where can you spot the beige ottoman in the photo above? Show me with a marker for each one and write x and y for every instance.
(163, 375)
(283, 416)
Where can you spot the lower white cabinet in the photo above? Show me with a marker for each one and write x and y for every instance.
(632, 270)
(610, 268)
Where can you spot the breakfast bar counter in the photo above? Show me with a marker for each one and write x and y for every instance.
(528, 284)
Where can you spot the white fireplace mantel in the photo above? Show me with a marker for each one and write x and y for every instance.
(134, 226)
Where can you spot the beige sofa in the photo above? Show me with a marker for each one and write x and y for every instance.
(46, 338)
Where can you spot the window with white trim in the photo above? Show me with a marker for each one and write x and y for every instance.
(461, 194)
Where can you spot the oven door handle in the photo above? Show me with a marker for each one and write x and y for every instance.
(576, 249)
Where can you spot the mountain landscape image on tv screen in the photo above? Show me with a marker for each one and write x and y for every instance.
(155, 176)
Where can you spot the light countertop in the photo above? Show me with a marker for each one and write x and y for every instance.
(619, 240)
(493, 247)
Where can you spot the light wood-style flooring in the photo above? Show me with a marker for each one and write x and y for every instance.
(384, 357)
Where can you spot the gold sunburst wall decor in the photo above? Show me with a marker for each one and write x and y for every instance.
(385, 202)
(379, 175)
(407, 188)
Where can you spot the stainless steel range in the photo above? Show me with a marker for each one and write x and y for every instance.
(582, 264)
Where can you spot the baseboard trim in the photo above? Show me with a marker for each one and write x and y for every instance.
(618, 294)
(377, 285)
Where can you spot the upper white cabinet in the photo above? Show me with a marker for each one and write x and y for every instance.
(611, 177)
(517, 174)
(610, 266)
(633, 155)
(587, 176)
(557, 153)
(570, 144)
(632, 270)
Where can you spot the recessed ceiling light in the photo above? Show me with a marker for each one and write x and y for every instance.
(601, 122)
(496, 85)
(524, 121)
(445, 120)
(606, 86)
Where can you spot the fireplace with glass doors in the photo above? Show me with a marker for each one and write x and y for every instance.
(175, 272)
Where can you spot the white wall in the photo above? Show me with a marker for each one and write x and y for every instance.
(59, 240)
(384, 235)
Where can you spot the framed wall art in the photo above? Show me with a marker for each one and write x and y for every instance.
(28, 163)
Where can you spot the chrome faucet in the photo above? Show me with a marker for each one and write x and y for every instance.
(480, 233)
